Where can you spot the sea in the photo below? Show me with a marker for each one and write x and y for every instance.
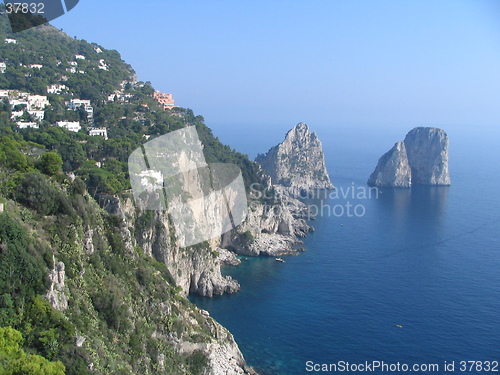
(409, 279)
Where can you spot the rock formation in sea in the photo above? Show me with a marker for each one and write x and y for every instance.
(421, 159)
(392, 168)
(427, 150)
(297, 163)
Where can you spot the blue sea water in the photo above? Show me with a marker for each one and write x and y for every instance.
(427, 259)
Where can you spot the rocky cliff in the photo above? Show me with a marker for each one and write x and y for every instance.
(297, 163)
(109, 307)
(421, 159)
(427, 150)
(196, 269)
(392, 168)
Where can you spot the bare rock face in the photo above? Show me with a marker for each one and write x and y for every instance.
(392, 169)
(57, 290)
(427, 150)
(297, 163)
(421, 159)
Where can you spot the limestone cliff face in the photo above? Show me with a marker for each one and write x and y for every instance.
(392, 169)
(297, 163)
(427, 150)
(195, 269)
(421, 159)
(272, 227)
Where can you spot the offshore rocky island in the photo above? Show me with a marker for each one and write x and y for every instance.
(421, 159)
(298, 163)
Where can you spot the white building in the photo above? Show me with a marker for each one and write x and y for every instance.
(10, 41)
(75, 104)
(26, 125)
(56, 88)
(16, 114)
(14, 102)
(4, 93)
(35, 66)
(102, 65)
(72, 126)
(37, 102)
(98, 50)
(73, 63)
(14, 94)
(99, 132)
(79, 57)
(39, 115)
(120, 96)
(3, 67)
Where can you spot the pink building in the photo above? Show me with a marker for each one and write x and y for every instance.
(165, 100)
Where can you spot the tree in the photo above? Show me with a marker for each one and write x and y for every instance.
(10, 156)
(13, 359)
(50, 163)
(37, 193)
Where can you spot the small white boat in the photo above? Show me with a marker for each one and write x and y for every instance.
(280, 260)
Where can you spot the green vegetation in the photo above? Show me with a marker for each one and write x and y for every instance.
(13, 359)
(124, 311)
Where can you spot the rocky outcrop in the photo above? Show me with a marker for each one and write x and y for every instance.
(427, 150)
(273, 226)
(195, 269)
(421, 159)
(392, 168)
(56, 294)
(297, 163)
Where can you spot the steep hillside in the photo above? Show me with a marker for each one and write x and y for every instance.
(80, 293)
(88, 280)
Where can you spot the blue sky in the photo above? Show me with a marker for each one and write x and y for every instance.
(324, 62)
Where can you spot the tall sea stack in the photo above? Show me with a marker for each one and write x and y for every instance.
(421, 159)
(297, 163)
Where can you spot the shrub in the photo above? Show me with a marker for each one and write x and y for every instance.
(37, 193)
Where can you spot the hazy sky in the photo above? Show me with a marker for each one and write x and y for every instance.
(324, 62)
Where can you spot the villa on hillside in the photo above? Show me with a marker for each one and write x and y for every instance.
(72, 126)
(56, 89)
(165, 100)
(26, 125)
(37, 102)
(99, 132)
(75, 104)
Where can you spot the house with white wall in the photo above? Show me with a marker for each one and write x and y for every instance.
(99, 132)
(56, 88)
(37, 102)
(72, 126)
(26, 125)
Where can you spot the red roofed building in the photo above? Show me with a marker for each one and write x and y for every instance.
(165, 100)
